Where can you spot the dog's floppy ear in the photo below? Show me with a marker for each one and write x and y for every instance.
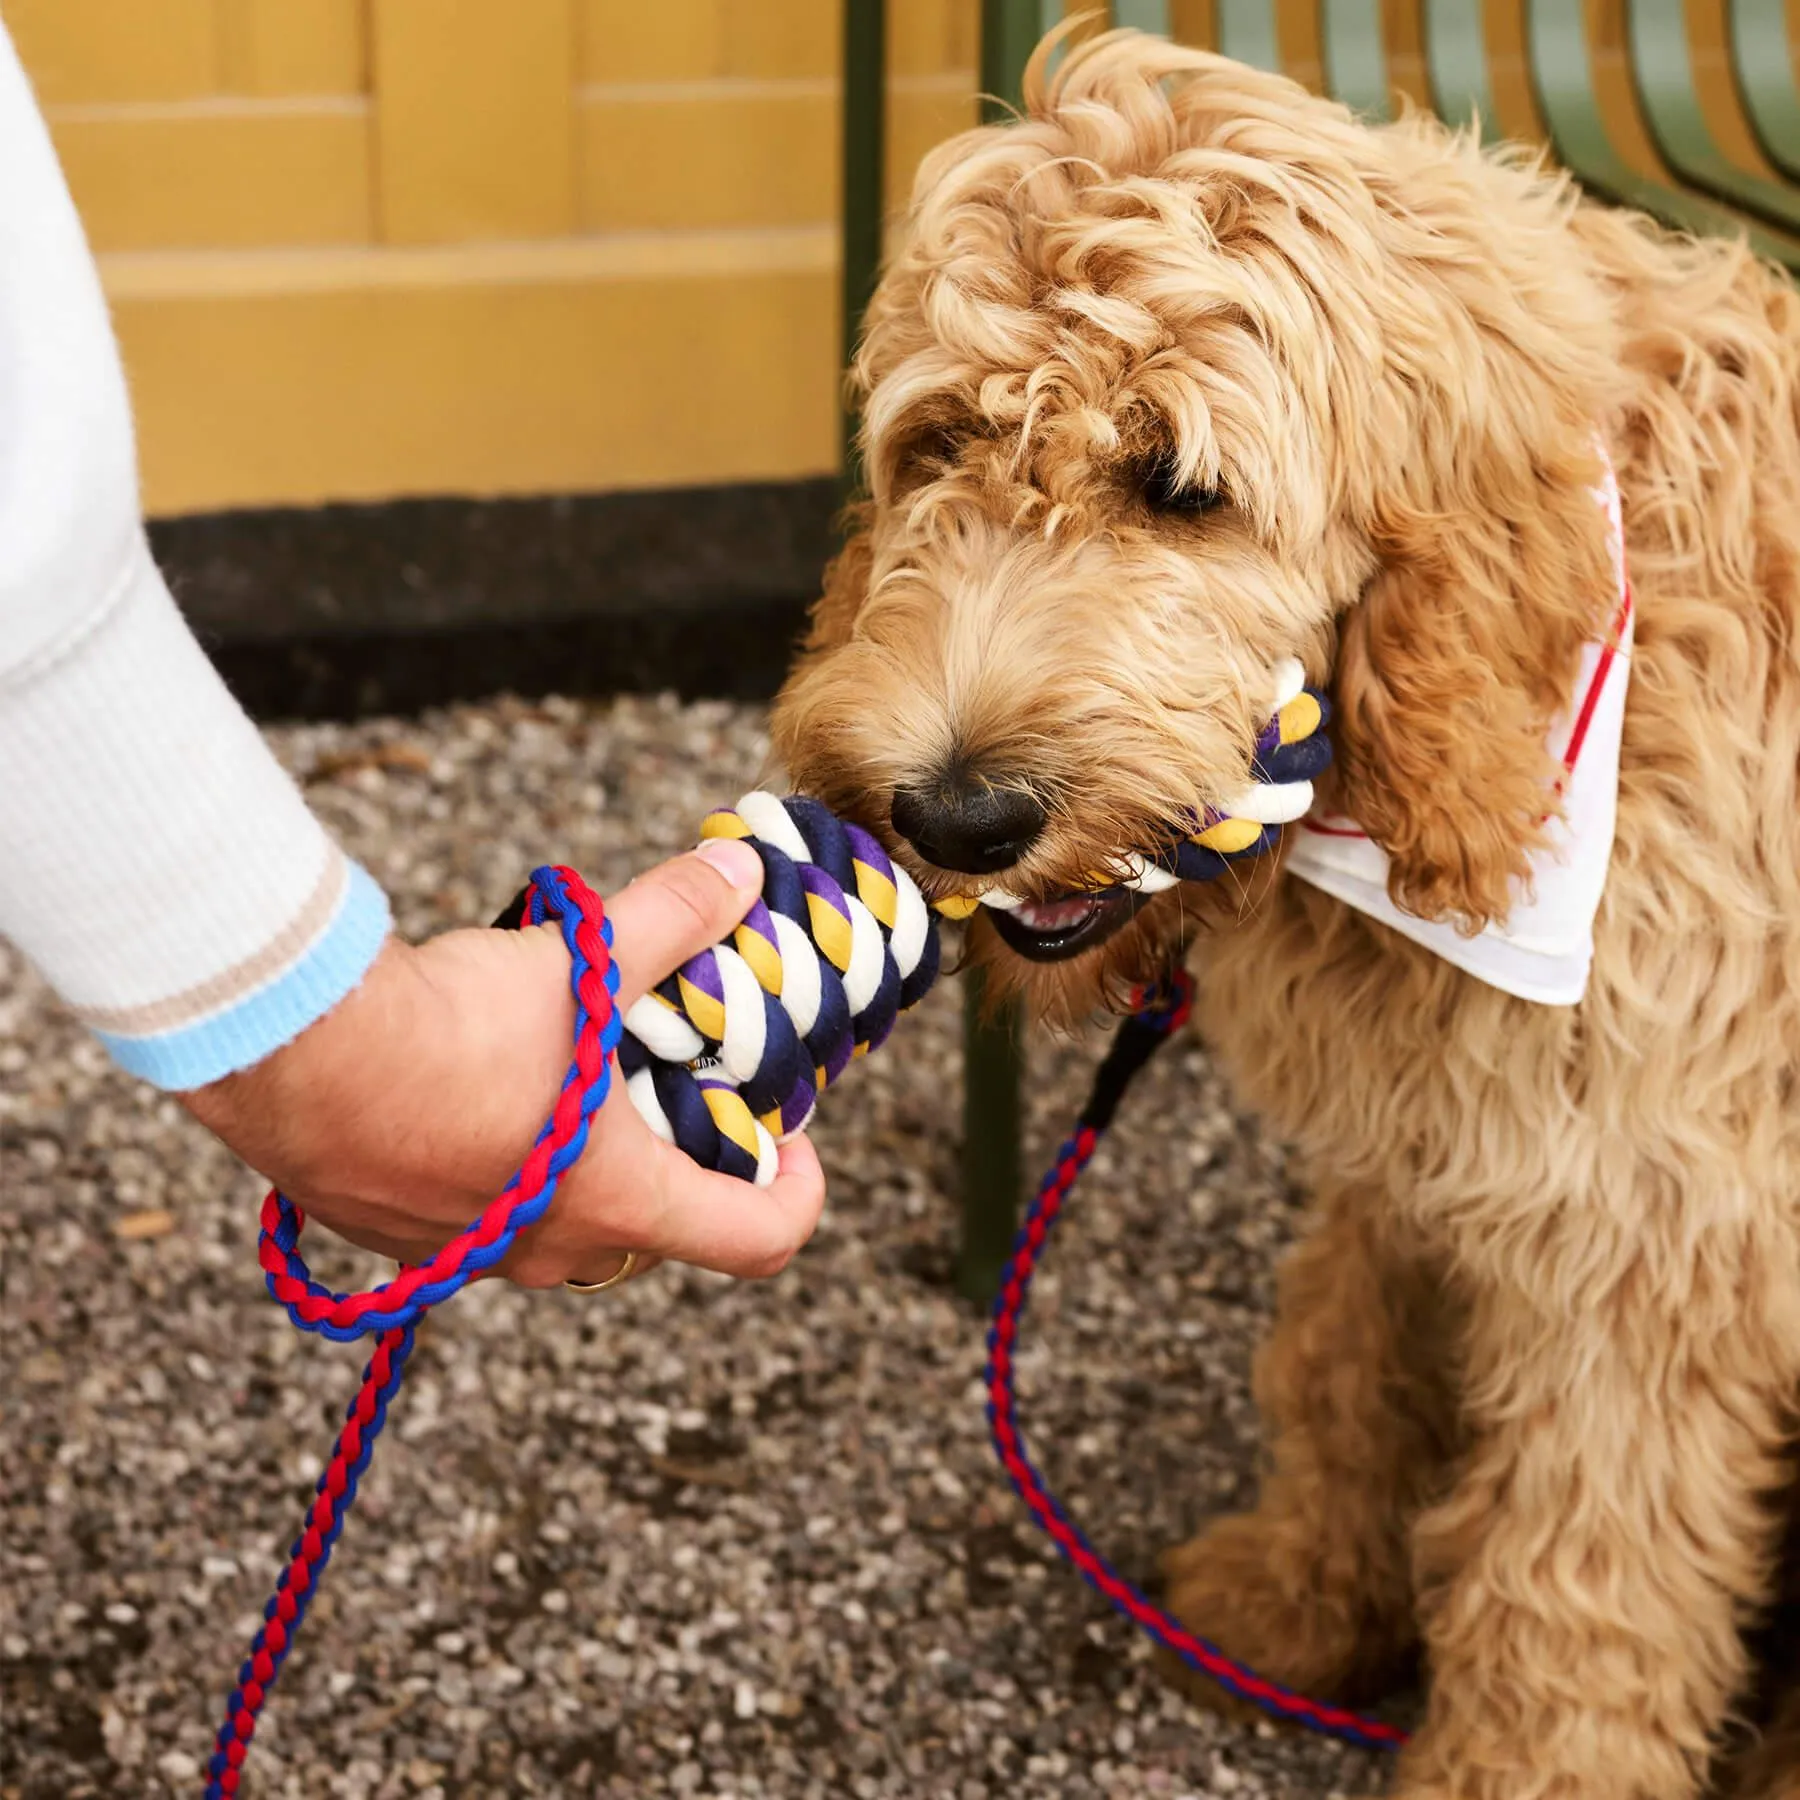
(1453, 665)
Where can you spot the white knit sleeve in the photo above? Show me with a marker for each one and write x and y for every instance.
(156, 863)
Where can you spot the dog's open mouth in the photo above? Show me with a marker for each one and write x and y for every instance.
(1052, 930)
(1290, 752)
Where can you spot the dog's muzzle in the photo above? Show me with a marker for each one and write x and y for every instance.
(1291, 753)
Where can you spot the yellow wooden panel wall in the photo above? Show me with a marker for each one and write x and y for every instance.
(117, 50)
(293, 46)
(205, 123)
(362, 248)
(137, 50)
(737, 153)
(474, 130)
(221, 172)
(202, 123)
(718, 112)
(674, 40)
(558, 366)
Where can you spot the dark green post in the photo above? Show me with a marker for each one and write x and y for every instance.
(865, 115)
(993, 1075)
(993, 1051)
(1010, 30)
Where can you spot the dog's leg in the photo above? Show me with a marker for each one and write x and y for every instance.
(1313, 1587)
(1585, 1585)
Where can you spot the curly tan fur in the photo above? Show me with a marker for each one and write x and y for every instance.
(1531, 1385)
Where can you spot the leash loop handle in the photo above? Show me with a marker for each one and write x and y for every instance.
(392, 1311)
(555, 893)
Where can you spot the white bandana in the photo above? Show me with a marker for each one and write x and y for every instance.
(1543, 949)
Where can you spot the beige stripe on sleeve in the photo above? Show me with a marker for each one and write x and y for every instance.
(232, 985)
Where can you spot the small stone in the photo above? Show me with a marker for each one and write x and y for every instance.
(148, 1222)
(743, 1700)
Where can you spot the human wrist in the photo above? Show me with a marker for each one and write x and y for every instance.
(301, 1115)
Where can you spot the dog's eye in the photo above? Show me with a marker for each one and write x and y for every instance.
(925, 455)
(1164, 490)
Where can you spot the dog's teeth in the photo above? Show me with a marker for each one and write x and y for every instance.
(1002, 900)
(1270, 803)
(1290, 678)
(1056, 915)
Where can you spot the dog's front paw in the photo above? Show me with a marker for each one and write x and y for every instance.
(1284, 1606)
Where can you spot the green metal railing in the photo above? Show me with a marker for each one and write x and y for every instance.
(1456, 64)
(1562, 70)
(1762, 60)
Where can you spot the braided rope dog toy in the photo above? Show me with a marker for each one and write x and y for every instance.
(726, 1058)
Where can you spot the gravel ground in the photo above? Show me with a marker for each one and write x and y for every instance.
(688, 1539)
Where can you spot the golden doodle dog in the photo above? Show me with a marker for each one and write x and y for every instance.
(1187, 372)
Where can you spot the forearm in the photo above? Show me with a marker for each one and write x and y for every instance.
(159, 867)
(156, 862)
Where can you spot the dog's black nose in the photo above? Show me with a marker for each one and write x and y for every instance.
(960, 822)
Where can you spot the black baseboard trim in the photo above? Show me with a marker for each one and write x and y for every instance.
(344, 611)
(739, 653)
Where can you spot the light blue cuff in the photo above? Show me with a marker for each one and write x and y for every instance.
(261, 1022)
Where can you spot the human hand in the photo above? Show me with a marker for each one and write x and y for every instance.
(397, 1117)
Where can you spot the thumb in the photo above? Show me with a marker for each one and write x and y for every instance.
(678, 909)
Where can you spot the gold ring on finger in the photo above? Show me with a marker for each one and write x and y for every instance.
(617, 1278)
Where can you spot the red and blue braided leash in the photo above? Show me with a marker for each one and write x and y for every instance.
(391, 1314)
(1161, 1011)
